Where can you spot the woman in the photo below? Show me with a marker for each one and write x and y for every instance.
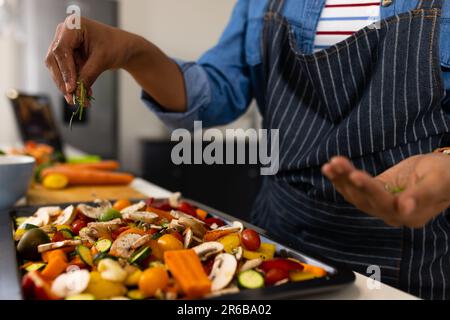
(376, 97)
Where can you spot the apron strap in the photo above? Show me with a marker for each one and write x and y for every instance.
(276, 6)
(430, 4)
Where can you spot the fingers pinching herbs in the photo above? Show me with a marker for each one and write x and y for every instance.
(60, 58)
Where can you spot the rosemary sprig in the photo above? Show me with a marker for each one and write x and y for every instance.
(80, 101)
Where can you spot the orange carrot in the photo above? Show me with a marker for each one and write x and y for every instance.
(161, 213)
(90, 177)
(57, 264)
(188, 271)
(213, 235)
(107, 165)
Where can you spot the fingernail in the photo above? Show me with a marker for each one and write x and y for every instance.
(68, 87)
(409, 206)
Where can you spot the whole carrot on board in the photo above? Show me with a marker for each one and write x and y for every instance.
(90, 177)
(107, 165)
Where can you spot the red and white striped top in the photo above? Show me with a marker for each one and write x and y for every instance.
(341, 18)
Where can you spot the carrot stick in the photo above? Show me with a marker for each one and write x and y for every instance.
(107, 165)
(90, 177)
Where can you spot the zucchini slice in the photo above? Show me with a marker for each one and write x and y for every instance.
(85, 255)
(140, 255)
(251, 279)
(103, 245)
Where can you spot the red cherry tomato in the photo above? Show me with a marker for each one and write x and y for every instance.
(275, 275)
(251, 240)
(58, 236)
(161, 205)
(77, 225)
(187, 208)
(210, 221)
(282, 264)
(149, 201)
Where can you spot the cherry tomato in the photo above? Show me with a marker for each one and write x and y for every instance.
(121, 204)
(251, 240)
(283, 264)
(149, 201)
(77, 225)
(162, 205)
(58, 236)
(152, 280)
(275, 275)
(187, 208)
(210, 221)
(168, 243)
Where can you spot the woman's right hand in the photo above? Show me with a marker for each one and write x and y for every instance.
(83, 54)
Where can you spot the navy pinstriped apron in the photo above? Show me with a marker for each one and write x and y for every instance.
(375, 98)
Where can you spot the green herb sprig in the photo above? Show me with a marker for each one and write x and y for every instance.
(80, 101)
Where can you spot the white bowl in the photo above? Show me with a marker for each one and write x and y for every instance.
(15, 177)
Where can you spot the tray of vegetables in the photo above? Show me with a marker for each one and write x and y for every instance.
(165, 249)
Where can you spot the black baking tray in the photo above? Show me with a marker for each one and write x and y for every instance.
(338, 276)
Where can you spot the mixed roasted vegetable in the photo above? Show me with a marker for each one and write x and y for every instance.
(152, 249)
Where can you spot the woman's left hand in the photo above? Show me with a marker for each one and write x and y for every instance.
(410, 193)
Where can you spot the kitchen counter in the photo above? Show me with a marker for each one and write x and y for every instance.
(358, 291)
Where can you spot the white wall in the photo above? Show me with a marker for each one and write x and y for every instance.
(183, 29)
(9, 134)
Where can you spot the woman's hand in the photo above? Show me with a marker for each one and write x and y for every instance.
(409, 194)
(83, 54)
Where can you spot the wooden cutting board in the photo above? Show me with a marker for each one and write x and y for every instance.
(38, 195)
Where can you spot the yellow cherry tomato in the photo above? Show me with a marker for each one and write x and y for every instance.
(55, 181)
(152, 280)
(168, 243)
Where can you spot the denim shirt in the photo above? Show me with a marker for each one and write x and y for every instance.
(223, 82)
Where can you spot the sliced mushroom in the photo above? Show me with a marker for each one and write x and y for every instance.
(144, 216)
(178, 214)
(188, 237)
(67, 216)
(281, 282)
(141, 241)
(57, 245)
(51, 211)
(236, 226)
(223, 271)
(133, 208)
(174, 199)
(238, 252)
(176, 225)
(208, 249)
(223, 292)
(96, 230)
(251, 264)
(122, 246)
(95, 212)
(71, 283)
(41, 217)
(198, 229)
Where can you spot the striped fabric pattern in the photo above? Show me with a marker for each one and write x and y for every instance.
(373, 98)
(341, 18)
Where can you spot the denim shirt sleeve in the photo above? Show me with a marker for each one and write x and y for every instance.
(218, 86)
